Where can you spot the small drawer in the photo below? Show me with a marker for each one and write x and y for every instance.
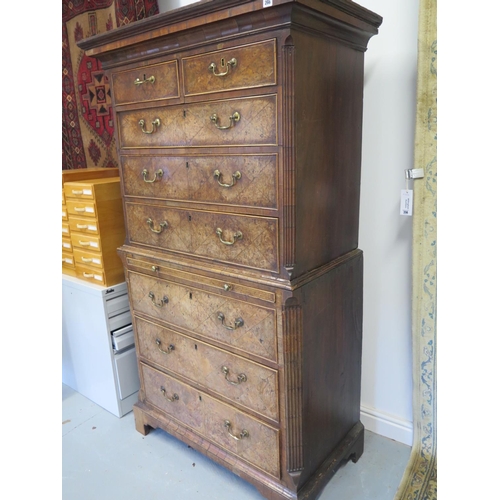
(232, 429)
(68, 260)
(251, 121)
(242, 240)
(246, 66)
(120, 320)
(86, 241)
(79, 191)
(64, 213)
(117, 305)
(88, 258)
(91, 275)
(249, 384)
(81, 208)
(146, 83)
(66, 231)
(237, 324)
(84, 225)
(242, 180)
(67, 245)
(127, 373)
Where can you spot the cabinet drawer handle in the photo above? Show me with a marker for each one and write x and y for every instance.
(213, 67)
(170, 348)
(158, 175)
(76, 192)
(161, 303)
(86, 260)
(86, 275)
(241, 377)
(78, 209)
(238, 322)
(84, 243)
(235, 117)
(156, 123)
(238, 235)
(163, 225)
(243, 434)
(82, 226)
(138, 81)
(174, 397)
(236, 176)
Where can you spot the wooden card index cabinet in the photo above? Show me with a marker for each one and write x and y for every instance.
(238, 125)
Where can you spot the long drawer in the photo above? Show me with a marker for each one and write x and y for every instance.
(231, 122)
(243, 180)
(224, 425)
(234, 323)
(242, 240)
(250, 384)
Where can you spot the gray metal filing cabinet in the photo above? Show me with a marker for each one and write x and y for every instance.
(98, 351)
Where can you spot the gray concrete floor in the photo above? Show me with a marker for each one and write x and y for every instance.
(105, 458)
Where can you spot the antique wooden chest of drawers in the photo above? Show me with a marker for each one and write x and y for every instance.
(238, 125)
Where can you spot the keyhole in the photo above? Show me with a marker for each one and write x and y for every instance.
(195, 347)
(189, 218)
(190, 295)
(144, 77)
(222, 62)
(199, 397)
(184, 113)
(187, 164)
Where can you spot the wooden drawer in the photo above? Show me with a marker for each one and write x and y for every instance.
(246, 66)
(254, 123)
(93, 190)
(233, 323)
(238, 239)
(146, 83)
(244, 180)
(91, 275)
(233, 377)
(66, 229)
(82, 174)
(84, 225)
(67, 245)
(68, 260)
(81, 208)
(86, 241)
(88, 258)
(213, 419)
(64, 213)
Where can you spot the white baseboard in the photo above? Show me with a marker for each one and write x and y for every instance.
(387, 425)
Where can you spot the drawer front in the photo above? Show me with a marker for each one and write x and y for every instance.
(214, 420)
(247, 66)
(91, 275)
(233, 323)
(86, 241)
(67, 245)
(65, 230)
(81, 191)
(64, 213)
(245, 180)
(68, 260)
(146, 83)
(247, 241)
(245, 382)
(81, 207)
(84, 225)
(88, 258)
(249, 121)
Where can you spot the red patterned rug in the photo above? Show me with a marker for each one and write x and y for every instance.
(87, 114)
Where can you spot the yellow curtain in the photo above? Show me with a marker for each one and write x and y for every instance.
(419, 481)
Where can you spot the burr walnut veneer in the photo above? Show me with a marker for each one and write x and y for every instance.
(238, 126)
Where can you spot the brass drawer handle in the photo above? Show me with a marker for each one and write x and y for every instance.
(156, 123)
(158, 175)
(227, 287)
(170, 348)
(213, 67)
(86, 260)
(174, 397)
(84, 243)
(235, 117)
(161, 303)
(238, 235)
(138, 81)
(241, 377)
(82, 226)
(85, 275)
(238, 322)
(163, 225)
(236, 176)
(243, 434)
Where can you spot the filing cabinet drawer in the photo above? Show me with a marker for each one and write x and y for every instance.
(83, 225)
(88, 258)
(67, 245)
(233, 323)
(255, 441)
(86, 242)
(247, 66)
(81, 208)
(238, 379)
(242, 240)
(231, 122)
(243, 180)
(146, 83)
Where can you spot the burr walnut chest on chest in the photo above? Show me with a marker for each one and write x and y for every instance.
(238, 126)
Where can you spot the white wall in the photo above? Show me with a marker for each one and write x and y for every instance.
(385, 236)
